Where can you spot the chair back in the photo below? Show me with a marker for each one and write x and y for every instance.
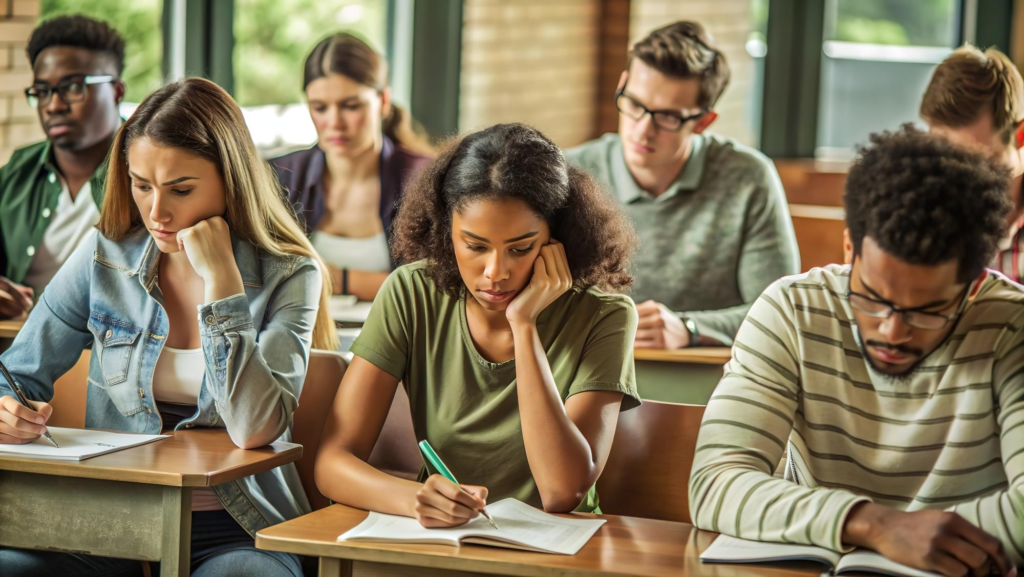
(69, 393)
(323, 375)
(648, 470)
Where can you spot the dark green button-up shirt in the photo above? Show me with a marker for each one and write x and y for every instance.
(29, 190)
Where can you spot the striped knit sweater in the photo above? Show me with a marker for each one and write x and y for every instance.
(947, 436)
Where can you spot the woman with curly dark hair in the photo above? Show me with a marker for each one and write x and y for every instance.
(515, 354)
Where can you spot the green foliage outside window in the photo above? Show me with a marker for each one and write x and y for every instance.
(897, 22)
(138, 22)
(273, 37)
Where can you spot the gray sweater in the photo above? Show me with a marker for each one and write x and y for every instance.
(712, 242)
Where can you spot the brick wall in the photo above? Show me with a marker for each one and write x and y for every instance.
(19, 124)
(729, 21)
(533, 61)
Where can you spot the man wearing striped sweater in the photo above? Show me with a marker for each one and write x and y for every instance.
(881, 404)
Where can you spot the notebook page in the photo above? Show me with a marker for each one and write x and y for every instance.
(521, 524)
(870, 561)
(518, 524)
(78, 444)
(726, 549)
(397, 529)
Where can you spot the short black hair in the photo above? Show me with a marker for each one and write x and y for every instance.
(927, 201)
(77, 31)
(514, 161)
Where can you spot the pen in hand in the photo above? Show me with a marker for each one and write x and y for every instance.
(436, 463)
(23, 399)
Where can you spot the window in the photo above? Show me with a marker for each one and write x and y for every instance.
(138, 22)
(757, 48)
(272, 40)
(877, 59)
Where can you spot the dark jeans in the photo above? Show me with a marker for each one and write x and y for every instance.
(220, 547)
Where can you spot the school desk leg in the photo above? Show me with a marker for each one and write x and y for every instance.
(176, 543)
(331, 567)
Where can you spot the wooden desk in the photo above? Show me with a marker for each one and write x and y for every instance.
(10, 328)
(680, 376)
(624, 546)
(132, 504)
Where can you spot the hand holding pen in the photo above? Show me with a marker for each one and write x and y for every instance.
(21, 420)
(443, 502)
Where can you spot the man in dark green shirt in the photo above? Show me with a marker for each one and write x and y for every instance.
(50, 192)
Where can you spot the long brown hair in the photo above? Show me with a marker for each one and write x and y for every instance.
(348, 55)
(196, 115)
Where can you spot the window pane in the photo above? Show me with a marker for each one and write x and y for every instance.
(757, 48)
(877, 59)
(138, 22)
(272, 39)
(894, 22)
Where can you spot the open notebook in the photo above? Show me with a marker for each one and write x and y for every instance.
(727, 549)
(520, 526)
(78, 444)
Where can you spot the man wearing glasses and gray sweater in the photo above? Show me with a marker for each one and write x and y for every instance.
(713, 220)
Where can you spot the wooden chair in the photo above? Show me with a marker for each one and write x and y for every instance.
(648, 470)
(323, 375)
(69, 392)
(395, 451)
(819, 234)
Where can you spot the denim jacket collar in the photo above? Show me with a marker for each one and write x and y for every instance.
(143, 259)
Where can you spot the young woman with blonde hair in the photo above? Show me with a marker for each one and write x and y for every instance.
(192, 221)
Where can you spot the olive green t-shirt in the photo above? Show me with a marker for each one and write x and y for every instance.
(468, 407)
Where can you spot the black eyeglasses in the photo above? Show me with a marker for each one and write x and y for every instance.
(915, 317)
(70, 89)
(663, 119)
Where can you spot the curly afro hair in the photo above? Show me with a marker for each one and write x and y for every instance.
(77, 31)
(927, 201)
(514, 161)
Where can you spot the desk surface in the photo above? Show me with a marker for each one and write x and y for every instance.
(622, 546)
(198, 458)
(695, 355)
(10, 328)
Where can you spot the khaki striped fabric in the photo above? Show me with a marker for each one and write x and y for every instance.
(947, 436)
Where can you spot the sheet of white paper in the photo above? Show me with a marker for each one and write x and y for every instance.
(345, 309)
(78, 444)
(726, 549)
(518, 523)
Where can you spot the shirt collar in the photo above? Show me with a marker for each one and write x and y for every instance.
(246, 258)
(626, 188)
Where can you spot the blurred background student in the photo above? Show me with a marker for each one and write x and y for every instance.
(345, 189)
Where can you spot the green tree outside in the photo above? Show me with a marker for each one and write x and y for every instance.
(273, 38)
(138, 22)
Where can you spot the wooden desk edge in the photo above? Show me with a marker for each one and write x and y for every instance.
(423, 559)
(166, 479)
(699, 355)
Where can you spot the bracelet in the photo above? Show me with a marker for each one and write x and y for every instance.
(344, 281)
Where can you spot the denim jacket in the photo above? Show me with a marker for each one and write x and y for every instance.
(256, 348)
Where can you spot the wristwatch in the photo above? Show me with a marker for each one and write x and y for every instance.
(691, 327)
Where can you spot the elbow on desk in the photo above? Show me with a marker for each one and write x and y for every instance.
(562, 502)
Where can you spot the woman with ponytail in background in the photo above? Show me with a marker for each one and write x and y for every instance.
(345, 189)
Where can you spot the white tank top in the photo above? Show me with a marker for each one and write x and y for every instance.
(370, 254)
(178, 378)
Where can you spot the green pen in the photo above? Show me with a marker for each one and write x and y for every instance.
(434, 461)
